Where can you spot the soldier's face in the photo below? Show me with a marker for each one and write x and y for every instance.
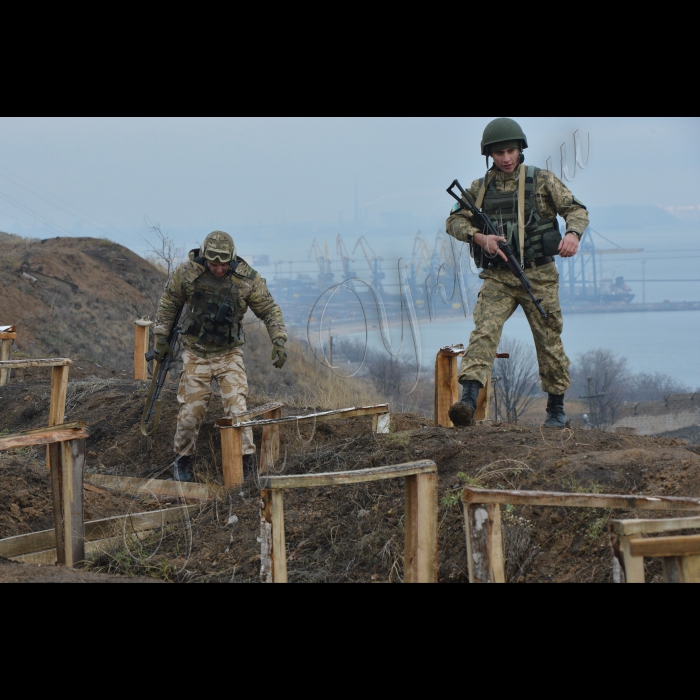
(507, 160)
(218, 269)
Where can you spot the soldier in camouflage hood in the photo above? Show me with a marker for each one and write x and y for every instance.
(210, 294)
(523, 202)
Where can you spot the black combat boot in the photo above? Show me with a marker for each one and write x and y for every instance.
(462, 412)
(248, 466)
(181, 468)
(556, 418)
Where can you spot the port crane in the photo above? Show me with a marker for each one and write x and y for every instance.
(373, 261)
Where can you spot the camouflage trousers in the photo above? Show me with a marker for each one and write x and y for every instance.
(195, 391)
(499, 297)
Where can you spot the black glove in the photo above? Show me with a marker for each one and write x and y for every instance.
(162, 348)
(279, 355)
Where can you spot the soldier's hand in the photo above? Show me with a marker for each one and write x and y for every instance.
(569, 246)
(162, 348)
(279, 355)
(490, 244)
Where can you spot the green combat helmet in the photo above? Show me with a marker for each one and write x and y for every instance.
(218, 247)
(505, 133)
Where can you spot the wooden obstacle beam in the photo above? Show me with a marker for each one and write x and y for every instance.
(157, 487)
(482, 515)
(629, 545)
(141, 340)
(420, 528)
(40, 547)
(447, 388)
(66, 456)
(7, 335)
(232, 434)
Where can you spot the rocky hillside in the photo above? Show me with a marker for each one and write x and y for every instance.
(75, 297)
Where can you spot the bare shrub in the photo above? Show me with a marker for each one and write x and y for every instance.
(653, 387)
(609, 381)
(517, 379)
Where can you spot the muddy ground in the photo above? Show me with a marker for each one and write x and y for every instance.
(342, 534)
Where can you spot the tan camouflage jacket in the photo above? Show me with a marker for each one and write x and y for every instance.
(253, 294)
(552, 197)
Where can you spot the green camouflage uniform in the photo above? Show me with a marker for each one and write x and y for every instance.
(501, 292)
(203, 361)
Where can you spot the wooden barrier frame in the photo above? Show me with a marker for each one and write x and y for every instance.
(680, 554)
(420, 528)
(141, 340)
(232, 433)
(482, 516)
(40, 547)
(447, 390)
(6, 338)
(66, 448)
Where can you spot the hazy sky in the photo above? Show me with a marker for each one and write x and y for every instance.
(204, 173)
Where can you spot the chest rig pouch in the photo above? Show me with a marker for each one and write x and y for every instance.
(213, 315)
(542, 236)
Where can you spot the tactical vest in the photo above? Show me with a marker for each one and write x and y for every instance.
(542, 236)
(212, 317)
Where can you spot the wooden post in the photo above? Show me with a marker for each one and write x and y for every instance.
(141, 336)
(7, 339)
(484, 543)
(270, 447)
(56, 473)
(446, 384)
(72, 465)
(273, 556)
(420, 529)
(232, 456)
(57, 406)
(681, 569)
(483, 402)
(631, 569)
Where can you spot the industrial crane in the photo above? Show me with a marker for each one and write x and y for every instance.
(348, 272)
(325, 276)
(374, 263)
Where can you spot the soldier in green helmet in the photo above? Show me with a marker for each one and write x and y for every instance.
(210, 294)
(523, 202)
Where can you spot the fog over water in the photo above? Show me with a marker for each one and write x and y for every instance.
(276, 184)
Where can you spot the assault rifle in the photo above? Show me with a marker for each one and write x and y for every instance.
(160, 373)
(481, 221)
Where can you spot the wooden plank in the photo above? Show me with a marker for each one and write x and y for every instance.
(484, 543)
(56, 476)
(72, 464)
(649, 527)
(305, 481)
(681, 546)
(252, 413)
(279, 545)
(48, 556)
(420, 529)
(631, 568)
(270, 445)
(44, 436)
(141, 337)
(8, 336)
(158, 487)
(446, 387)
(23, 364)
(323, 416)
(59, 389)
(266, 567)
(483, 402)
(232, 456)
(96, 530)
(5, 357)
(580, 500)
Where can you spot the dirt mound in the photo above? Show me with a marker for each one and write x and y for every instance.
(352, 533)
(75, 297)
